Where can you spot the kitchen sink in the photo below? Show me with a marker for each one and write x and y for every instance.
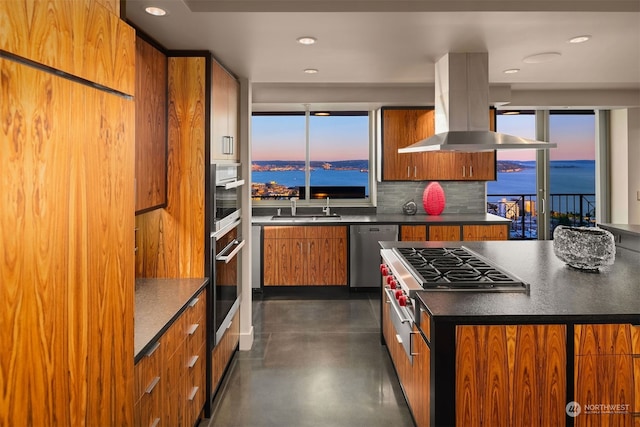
(306, 218)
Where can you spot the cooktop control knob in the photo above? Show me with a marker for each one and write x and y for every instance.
(399, 293)
(402, 300)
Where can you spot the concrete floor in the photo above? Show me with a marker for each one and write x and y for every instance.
(314, 363)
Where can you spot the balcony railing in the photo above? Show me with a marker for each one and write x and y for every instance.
(522, 210)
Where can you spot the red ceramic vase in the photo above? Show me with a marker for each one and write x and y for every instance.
(433, 199)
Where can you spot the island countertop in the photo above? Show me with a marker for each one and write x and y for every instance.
(557, 291)
(158, 302)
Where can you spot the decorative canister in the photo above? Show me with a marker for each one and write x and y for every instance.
(433, 199)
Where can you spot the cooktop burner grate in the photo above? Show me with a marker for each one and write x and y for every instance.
(458, 269)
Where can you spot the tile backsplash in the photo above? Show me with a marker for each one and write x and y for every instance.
(461, 197)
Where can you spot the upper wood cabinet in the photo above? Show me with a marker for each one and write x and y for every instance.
(403, 127)
(151, 127)
(225, 92)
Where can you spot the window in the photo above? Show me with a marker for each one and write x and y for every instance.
(329, 159)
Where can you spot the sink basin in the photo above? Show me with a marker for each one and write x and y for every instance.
(306, 218)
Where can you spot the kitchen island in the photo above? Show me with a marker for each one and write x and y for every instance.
(519, 359)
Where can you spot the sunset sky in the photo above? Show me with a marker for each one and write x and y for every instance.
(345, 138)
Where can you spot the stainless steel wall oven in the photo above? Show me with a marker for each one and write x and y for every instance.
(225, 182)
(225, 248)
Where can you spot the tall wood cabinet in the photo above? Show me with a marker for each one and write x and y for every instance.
(66, 222)
(225, 109)
(403, 127)
(305, 255)
(151, 127)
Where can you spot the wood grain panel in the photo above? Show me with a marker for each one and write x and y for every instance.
(108, 175)
(223, 352)
(171, 241)
(67, 250)
(402, 128)
(151, 126)
(605, 373)
(413, 233)
(421, 372)
(485, 232)
(82, 38)
(510, 375)
(444, 233)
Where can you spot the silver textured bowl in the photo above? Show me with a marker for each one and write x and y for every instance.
(585, 248)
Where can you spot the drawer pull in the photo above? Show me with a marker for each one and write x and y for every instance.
(194, 302)
(193, 328)
(194, 391)
(193, 361)
(153, 349)
(152, 385)
(155, 422)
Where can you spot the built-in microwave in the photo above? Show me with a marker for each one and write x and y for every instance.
(226, 183)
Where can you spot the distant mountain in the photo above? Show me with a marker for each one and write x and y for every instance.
(297, 164)
(512, 166)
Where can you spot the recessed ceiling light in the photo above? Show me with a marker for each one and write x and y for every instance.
(510, 113)
(155, 11)
(579, 39)
(322, 113)
(512, 71)
(307, 40)
(541, 57)
(311, 71)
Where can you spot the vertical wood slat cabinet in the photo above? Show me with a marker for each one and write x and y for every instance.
(607, 374)
(151, 127)
(225, 94)
(66, 258)
(305, 255)
(508, 374)
(420, 396)
(403, 127)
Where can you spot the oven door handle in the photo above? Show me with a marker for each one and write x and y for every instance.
(234, 184)
(223, 256)
(396, 308)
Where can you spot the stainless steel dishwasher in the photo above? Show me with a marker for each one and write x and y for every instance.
(364, 253)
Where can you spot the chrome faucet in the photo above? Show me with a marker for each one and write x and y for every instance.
(293, 205)
(327, 209)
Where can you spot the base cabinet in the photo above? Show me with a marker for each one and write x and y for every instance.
(305, 256)
(607, 375)
(223, 352)
(464, 232)
(170, 378)
(509, 375)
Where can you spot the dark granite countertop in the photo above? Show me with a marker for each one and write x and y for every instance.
(624, 228)
(558, 291)
(158, 302)
(451, 219)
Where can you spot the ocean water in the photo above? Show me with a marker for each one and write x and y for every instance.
(567, 177)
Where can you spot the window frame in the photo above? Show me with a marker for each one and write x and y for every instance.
(364, 202)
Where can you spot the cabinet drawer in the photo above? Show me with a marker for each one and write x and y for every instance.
(425, 324)
(148, 370)
(195, 385)
(196, 309)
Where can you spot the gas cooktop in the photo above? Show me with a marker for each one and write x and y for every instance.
(458, 269)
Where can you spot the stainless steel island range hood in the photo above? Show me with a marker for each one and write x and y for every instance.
(462, 110)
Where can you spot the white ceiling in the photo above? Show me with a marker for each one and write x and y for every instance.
(393, 44)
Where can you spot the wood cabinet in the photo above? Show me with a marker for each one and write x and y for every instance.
(508, 373)
(170, 378)
(305, 255)
(465, 232)
(223, 352)
(151, 127)
(225, 92)
(66, 257)
(149, 394)
(607, 374)
(403, 127)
